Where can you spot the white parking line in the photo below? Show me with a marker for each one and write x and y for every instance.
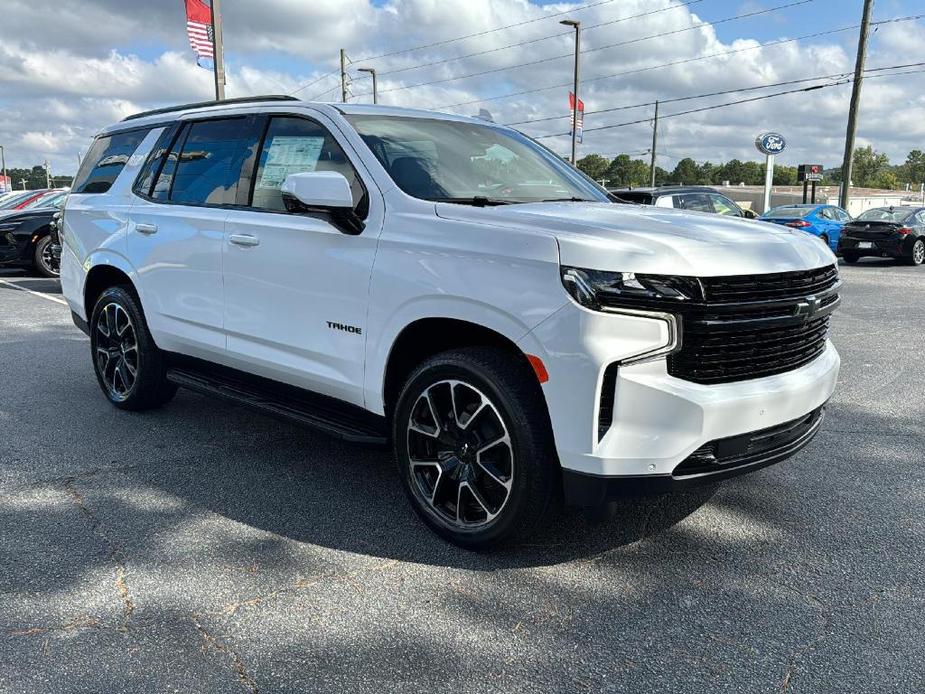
(34, 293)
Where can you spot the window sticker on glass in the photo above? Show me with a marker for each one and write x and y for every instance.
(287, 155)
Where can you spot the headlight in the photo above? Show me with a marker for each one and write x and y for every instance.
(598, 289)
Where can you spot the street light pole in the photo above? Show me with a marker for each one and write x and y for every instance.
(654, 145)
(577, 25)
(3, 166)
(372, 72)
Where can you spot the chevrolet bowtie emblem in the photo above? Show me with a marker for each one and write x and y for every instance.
(807, 307)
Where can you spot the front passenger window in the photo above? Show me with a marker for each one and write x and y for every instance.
(724, 205)
(298, 145)
(695, 201)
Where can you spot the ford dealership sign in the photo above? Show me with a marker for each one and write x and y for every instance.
(770, 143)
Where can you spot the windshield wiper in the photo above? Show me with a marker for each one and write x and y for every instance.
(571, 199)
(476, 201)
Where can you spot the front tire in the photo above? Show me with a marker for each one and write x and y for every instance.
(130, 369)
(43, 259)
(917, 256)
(474, 447)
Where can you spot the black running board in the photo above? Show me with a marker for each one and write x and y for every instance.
(334, 417)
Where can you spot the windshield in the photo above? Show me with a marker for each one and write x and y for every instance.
(51, 200)
(788, 212)
(465, 162)
(886, 214)
(14, 200)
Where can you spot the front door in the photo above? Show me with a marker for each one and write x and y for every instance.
(296, 286)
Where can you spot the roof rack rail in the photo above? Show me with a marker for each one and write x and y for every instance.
(203, 104)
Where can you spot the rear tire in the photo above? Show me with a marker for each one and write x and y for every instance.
(474, 447)
(850, 258)
(917, 256)
(43, 259)
(130, 369)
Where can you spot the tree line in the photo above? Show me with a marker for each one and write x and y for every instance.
(872, 169)
(35, 178)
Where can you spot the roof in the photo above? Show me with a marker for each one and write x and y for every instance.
(659, 190)
(170, 113)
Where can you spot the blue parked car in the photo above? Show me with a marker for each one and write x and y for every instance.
(824, 221)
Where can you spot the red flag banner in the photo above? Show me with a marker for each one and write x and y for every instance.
(581, 115)
(199, 30)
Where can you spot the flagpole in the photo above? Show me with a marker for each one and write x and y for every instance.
(218, 58)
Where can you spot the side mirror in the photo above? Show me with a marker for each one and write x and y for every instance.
(749, 214)
(322, 191)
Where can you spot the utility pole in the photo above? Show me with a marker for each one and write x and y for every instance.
(343, 76)
(23, 181)
(577, 26)
(848, 161)
(218, 50)
(372, 72)
(47, 175)
(3, 168)
(654, 144)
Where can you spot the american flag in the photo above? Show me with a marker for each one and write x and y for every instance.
(199, 29)
(581, 116)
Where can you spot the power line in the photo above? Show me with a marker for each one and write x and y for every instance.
(684, 98)
(540, 61)
(544, 38)
(734, 103)
(836, 75)
(458, 38)
(684, 61)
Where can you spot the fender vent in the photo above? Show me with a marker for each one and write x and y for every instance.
(608, 395)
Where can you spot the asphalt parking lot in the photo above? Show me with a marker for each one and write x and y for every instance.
(203, 548)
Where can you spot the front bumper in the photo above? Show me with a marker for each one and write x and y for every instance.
(705, 466)
(658, 421)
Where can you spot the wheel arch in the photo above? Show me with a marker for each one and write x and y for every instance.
(101, 277)
(427, 336)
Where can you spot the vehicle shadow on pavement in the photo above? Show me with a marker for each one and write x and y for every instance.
(310, 488)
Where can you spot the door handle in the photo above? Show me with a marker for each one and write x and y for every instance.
(244, 240)
(146, 228)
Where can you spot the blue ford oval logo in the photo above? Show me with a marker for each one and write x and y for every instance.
(770, 143)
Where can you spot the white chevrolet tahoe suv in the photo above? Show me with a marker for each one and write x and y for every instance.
(450, 286)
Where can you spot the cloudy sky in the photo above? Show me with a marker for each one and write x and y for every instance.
(68, 68)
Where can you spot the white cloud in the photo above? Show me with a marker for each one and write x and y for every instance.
(102, 59)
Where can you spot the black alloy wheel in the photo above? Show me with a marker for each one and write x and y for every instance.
(44, 258)
(474, 447)
(116, 351)
(461, 455)
(130, 369)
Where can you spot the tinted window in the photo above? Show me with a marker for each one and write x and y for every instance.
(104, 162)
(209, 164)
(886, 214)
(788, 212)
(827, 213)
(724, 205)
(699, 202)
(297, 145)
(634, 196)
(842, 215)
(155, 159)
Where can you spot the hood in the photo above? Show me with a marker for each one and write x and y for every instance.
(646, 239)
(21, 215)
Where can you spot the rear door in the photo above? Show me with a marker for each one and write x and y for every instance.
(177, 230)
(297, 286)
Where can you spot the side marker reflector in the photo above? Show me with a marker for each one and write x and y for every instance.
(539, 368)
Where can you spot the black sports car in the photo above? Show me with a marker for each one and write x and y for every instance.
(891, 232)
(26, 240)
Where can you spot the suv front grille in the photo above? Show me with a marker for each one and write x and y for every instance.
(755, 326)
